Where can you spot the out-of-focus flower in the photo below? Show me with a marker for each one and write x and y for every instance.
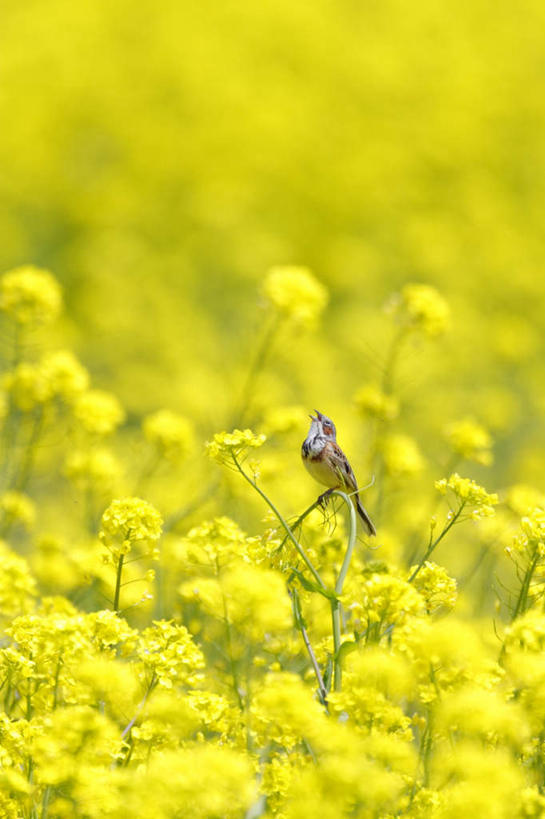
(176, 778)
(92, 469)
(64, 374)
(15, 507)
(17, 586)
(470, 440)
(374, 403)
(98, 412)
(421, 307)
(224, 445)
(402, 457)
(170, 433)
(381, 598)
(295, 293)
(30, 295)
(284, 419)
(522, 499)
(526, 633)
(28, 386)
(474, 711)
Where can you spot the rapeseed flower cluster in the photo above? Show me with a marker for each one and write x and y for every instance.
(295, 293)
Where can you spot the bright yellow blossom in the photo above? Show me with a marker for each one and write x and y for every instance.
(295, 293)
(436, 587)
(469, 493)
(225, 445)
(30, 295)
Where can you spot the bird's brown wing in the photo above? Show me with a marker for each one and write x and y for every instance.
(347, 480)
(339, 463)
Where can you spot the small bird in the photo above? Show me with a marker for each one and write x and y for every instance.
(328, 464)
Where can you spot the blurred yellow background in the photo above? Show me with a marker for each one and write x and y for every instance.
(256, 210)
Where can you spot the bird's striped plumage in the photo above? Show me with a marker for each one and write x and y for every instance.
(328, 464)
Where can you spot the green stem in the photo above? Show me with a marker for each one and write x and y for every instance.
(287, 529)
(437, 541)
(300, 519)
(335, 604)
(351, 541)
(300, 623)
(118, 583)
(427, 744)
(520, 607)
(56, 688)
(336, 624)
(232, 662)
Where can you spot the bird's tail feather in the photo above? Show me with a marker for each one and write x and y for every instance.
(367, 522)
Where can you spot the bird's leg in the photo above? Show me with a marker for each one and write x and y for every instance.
(322, 500)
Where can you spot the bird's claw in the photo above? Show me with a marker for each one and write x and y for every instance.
(324, 497)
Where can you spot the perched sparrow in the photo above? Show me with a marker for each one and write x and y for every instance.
(328, 464)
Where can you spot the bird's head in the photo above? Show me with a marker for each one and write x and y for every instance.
(323, 426)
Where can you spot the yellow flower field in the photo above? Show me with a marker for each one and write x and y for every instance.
(217, 219)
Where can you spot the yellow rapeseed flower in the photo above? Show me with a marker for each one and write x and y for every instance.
(295, 293)
(470, 440)
(436, 587)
(66, 376)
(402, 457)
(15, 507)
(170, 433)
(99, 412)
(374, 403)
(30, 295)
(92, 469)
(421, 307)
(226, 444)
(28, 386)
(129, 521)
(469, 493)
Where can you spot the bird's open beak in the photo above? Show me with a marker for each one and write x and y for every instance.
(318, 415)
(312, 418)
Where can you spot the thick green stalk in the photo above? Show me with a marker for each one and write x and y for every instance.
(335, 603)
(287, 529)
(336, 626)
